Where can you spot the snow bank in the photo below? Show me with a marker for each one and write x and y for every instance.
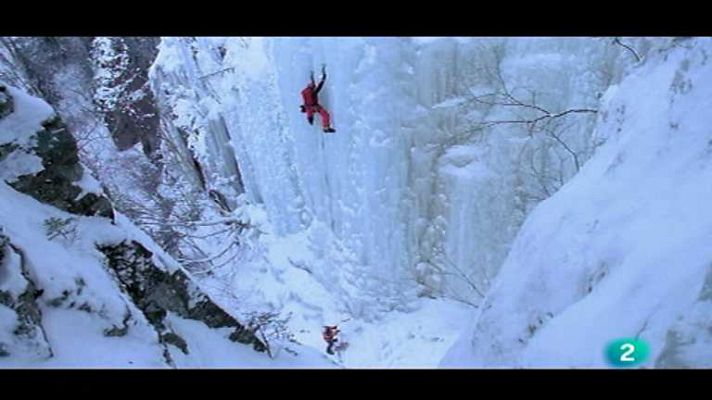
(622, 250)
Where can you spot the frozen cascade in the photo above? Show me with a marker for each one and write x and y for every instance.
(402, 184)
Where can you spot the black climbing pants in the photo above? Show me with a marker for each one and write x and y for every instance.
(330, 346)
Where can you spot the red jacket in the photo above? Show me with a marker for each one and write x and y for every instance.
(311, 92)
(330, 333)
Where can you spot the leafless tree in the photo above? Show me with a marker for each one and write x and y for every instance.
(547, 157)
(445, 267)
(522, 106)
(467, 278)
(271, 329)
(527, 112)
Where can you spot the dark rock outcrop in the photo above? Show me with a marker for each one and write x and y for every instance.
(136, 120)
(157, 292)
(27, 326)
(6, 104)
(56, 184)
(133, 120)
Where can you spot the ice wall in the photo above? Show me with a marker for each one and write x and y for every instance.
(405, 183)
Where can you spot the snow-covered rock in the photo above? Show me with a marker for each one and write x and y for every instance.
(623, 249)
(39, 157)
(79, 289)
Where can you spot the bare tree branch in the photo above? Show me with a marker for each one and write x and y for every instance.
(214, 257)
(217, 72)
(625, 46)
(462, 275)
(551, 133)
(531, 122)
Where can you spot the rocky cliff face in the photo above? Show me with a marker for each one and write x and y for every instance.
(75, 72)
(58, 183)
(18, 307)
(157, 292)
(99, 87)
(42, 273)
(121, 90)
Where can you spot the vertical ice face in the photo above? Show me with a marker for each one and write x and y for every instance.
(408, 183)
(487, 181)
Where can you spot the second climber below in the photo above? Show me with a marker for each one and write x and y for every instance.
(329, 334)
(311, 105)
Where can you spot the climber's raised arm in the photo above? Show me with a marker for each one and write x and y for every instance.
(323, 78)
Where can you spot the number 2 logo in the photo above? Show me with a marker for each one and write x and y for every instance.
(626, 355)
(626, 352)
